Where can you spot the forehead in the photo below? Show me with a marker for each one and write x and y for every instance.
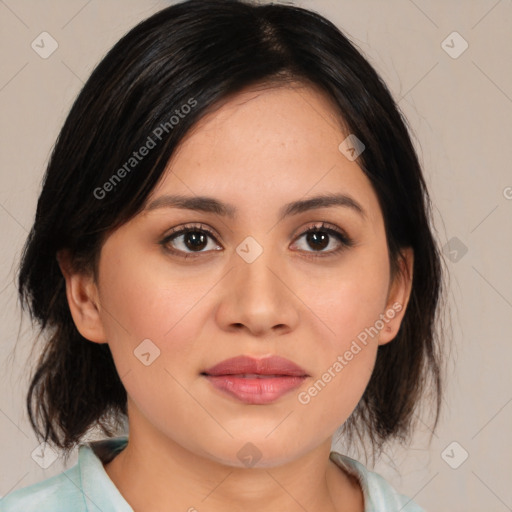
(265, 146)
(270, 116)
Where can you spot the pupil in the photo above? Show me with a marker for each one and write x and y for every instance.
(197, 240)
(319, 239)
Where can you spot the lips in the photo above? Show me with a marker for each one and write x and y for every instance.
(273, 366)
(255, 381)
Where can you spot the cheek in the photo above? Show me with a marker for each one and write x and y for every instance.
(348, 307)
(141, 301)
(349, 300)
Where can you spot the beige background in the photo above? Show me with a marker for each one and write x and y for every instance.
(460, 111)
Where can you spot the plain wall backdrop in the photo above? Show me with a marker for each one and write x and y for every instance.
(448, 64)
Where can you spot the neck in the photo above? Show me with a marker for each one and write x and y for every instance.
(154, 471)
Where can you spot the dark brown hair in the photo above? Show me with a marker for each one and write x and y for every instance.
(206, 51)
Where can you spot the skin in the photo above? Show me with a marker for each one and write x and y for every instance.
(258, 151)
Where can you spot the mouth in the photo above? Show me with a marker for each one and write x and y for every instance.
(255, 381)
(248, 375)
(273, 366)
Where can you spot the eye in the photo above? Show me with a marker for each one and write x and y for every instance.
(321, 236)
(193, 238)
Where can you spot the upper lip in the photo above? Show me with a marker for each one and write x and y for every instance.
(273, 365)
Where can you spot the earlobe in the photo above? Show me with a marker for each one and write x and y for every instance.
(398, 297)
(83, 300)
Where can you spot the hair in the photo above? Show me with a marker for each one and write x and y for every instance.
(199, 53)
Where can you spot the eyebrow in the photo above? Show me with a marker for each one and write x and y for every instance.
(212, 205)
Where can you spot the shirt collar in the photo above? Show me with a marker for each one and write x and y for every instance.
(98, 490)
(355, 468)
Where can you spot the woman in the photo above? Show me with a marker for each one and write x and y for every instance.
(232, 252)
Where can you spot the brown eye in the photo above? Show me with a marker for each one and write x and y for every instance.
(319, 238)
(195, 240)
(189, 240)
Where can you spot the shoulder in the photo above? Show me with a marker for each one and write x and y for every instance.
(60, 493)
(379, 494)
(84, 487)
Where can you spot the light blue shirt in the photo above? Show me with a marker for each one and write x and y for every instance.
(86, 487)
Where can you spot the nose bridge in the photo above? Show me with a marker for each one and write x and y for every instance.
(257, 268)
(257, 296)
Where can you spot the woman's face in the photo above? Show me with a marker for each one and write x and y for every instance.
(171, 308)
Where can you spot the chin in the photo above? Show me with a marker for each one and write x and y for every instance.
(258, 452)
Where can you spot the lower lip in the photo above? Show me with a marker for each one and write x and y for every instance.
(254, 390)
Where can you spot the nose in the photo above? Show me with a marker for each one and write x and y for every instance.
(258, 297)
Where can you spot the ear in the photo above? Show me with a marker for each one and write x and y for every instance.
(398, 297)
(83, 300)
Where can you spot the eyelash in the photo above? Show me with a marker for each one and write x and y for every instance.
(345, 241)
